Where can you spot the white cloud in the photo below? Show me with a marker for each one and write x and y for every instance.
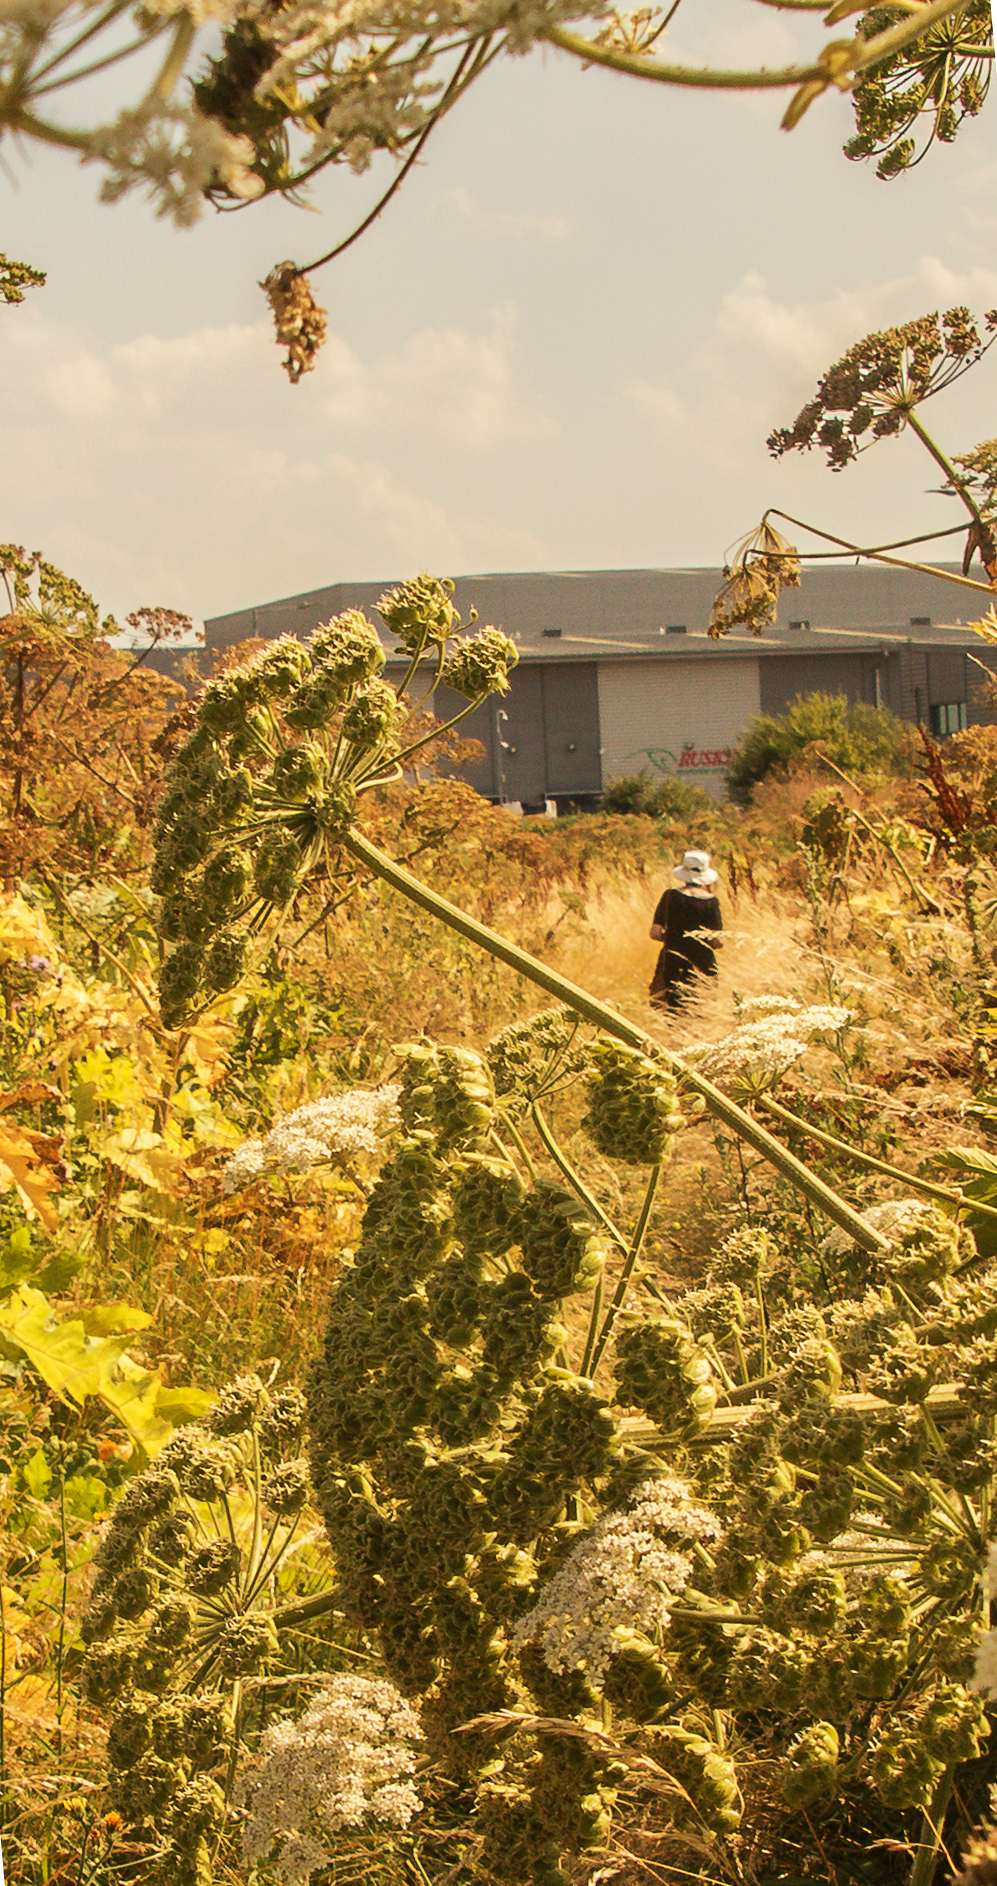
(187, 471)
(703, 428)
(517, 225)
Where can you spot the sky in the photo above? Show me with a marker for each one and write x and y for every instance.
(562, 346)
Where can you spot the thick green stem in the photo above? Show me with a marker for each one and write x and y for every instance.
(708, 78)
(876, 556)
(565, 1166)
(636, 1246)
(944, 464)
(306, 1608)
(926, 1854)
(613, 1023)
(856, 57)
(595, 1318)
(950, 1195)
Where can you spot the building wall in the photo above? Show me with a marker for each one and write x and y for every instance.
(675, 718)
(541, 740)
(785, 676)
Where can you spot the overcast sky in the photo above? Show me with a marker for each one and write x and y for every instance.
(562, 347)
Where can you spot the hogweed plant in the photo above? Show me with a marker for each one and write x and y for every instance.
(619, 1525)
(758, 1508)
(875, 392)
(263, 803)
(191, 1593)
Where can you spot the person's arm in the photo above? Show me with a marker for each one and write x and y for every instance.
(660, 920)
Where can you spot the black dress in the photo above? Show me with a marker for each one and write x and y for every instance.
(683, 956)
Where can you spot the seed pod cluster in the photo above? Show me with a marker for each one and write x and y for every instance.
(662, 1369)
(267, 783)
(178, 1613)
(633, 1113)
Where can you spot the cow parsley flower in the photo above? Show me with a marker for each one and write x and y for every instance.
(620, 1577)
(350, 1757)
(756, 1053)
(340, 1126)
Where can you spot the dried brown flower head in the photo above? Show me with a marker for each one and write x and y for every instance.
(764, 563)
(299, 321)
(876, 385)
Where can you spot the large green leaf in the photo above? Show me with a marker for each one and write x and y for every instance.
(76, 1364)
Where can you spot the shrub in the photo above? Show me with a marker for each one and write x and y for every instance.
(860, 739)
(655, 798)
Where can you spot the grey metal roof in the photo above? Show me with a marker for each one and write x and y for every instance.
(605, 614)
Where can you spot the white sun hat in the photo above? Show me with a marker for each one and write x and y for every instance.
(695, 869)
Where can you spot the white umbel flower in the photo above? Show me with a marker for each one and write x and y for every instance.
(349, 1758)
(759, 1051)
(620, 1577)
(339, 1127)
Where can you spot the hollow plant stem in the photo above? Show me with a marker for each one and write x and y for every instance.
(613, 1023)
(926, 1853)
(576, 1183)
(636, 1246)
(950, 1195)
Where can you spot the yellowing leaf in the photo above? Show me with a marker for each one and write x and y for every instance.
(20, 1166)
(24, 932)
(111, 1319)
(78, 1365)
(142, 1155)
(37, 1475)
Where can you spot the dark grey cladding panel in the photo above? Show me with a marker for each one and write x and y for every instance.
(780, 682)
(479, 768)
(571, 728)
(549, 724)
(946, 674)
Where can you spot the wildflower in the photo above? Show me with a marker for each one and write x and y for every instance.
(757, 1053)
(338, 1126)
(620, 1577)
(350, 1756)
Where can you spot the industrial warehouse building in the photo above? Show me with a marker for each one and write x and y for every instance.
(617, 673)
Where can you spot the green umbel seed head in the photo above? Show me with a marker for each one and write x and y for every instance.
(179, 982)
(811, 1770)
(372, 717)
(633, 1114)
(486, 1204)
(225, 960)
(660, 1368)
(480, 664)
(277, 866)
(349, 648)
(563, 1248)
(419, 611)
(225, 881)
(299, 770)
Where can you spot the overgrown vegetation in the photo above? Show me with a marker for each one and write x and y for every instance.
(866, 742)
(650, 1363)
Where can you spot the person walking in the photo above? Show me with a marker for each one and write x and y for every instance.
(682, 913)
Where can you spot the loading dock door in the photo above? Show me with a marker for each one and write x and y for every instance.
(571, 724)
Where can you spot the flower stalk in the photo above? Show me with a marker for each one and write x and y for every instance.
(613, 1023)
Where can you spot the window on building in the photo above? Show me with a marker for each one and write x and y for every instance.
(675, 628)
(947, 716)
(799, 626)
(920, 622)
(552, 634)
